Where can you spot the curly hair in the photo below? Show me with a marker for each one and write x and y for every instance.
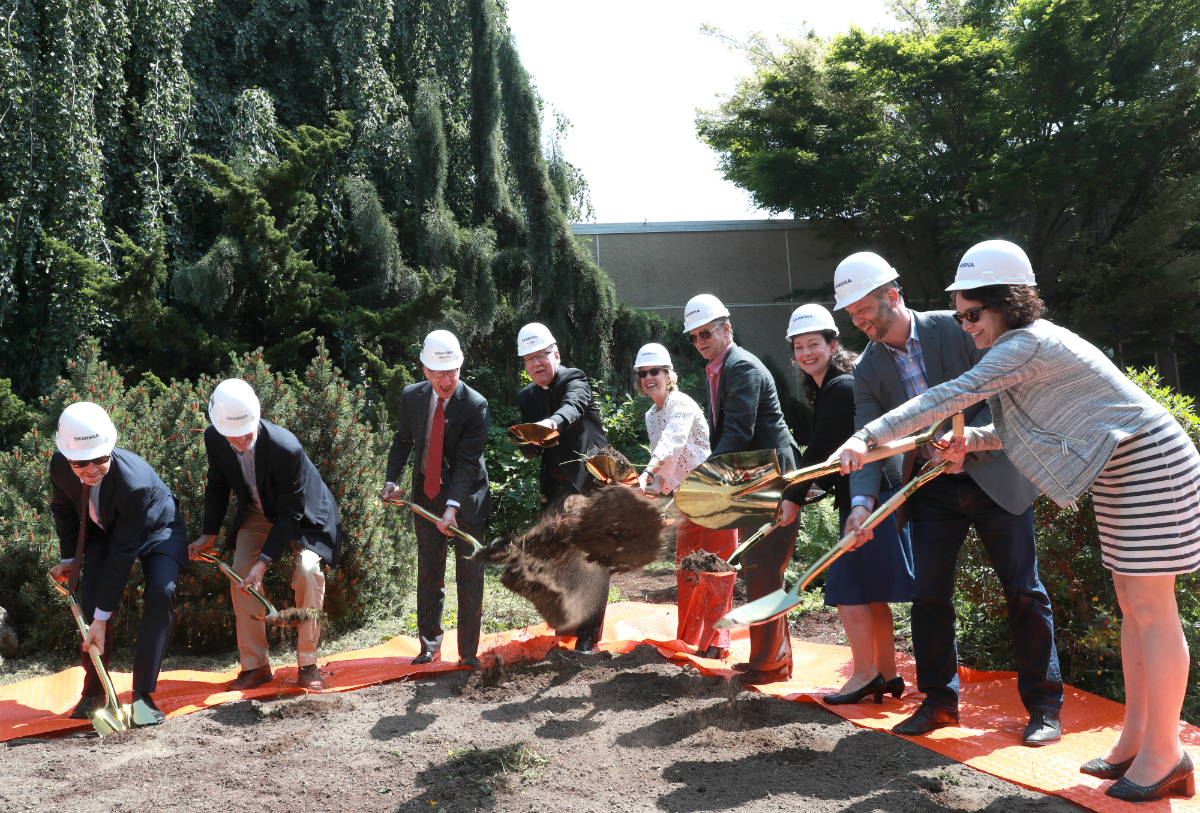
(842, 362)
(1017, 305)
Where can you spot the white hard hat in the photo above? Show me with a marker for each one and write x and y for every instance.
(532, 338)
(702, 309)
(652, 355)
(441, 351)
(85, 432)
(993, 262)
(858, 275)
(810, 319)
(233, 408)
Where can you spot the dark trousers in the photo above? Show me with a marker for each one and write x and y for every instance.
(763, 567)
(154, 629)
(942, 512)
(431, 580)
(555, 491)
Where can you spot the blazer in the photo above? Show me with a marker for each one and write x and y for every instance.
(748, 416)
(464, 473)
(294, 497)
(138, 515)
(569, 400)
(1060, 407)
(833, 424)
(949, 351)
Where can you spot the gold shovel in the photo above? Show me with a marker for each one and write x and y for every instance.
(743, 489)
(435, 519)
(779, 603)
(291, 617)
(113, 717)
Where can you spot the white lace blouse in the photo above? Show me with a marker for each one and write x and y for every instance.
(678, 438)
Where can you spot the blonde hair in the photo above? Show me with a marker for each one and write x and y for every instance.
(672, 381)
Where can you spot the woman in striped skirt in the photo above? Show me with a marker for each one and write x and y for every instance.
(1069, 419)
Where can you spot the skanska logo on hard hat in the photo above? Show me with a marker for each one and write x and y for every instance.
(844, 283)
(966, 265)
(238, 418)
(437, 354)
(87, 437)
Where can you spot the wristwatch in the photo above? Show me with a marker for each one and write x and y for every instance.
(866, 437)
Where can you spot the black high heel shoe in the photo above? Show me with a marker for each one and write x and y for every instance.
(1106, 770)
(895, 687)
(1182, 779)
(875, 687)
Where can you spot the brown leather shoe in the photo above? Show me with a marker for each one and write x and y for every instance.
(757, 677)
(310, 678)
(249, 679)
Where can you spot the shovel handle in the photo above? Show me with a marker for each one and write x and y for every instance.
(236, 578)
(435, 519)
(749, 543)
(93, 650)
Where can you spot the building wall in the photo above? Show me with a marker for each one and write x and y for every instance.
(750, 265)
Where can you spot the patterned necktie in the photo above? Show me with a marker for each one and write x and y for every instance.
(433, 455)
(84, 512)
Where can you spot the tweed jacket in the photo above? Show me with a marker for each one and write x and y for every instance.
(748, 416)
(1059, 407)
(464, 472)
(948, 352)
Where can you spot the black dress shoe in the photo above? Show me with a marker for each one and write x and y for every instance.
(85, 704)
(895, 687)
(469, 661)
(585, 646)
(1182, 779)
(144, 712)
(927, 718)
(1044, 728)
(1106, 770)
(875, 688)
(760, 677)
(426, 657)
(741, 667)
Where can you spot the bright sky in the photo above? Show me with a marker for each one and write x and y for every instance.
(630, 75)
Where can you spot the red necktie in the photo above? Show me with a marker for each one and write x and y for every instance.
(433, 455)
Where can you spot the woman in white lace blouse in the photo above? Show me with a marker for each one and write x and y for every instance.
(678, 443)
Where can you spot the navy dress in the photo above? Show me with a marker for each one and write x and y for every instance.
(882, 569)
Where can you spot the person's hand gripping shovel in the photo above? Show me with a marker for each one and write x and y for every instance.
(112, 717)
(779, 603)
(291, 617)
(435, 519)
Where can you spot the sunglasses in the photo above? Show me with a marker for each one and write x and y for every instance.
(651, 371)
(971, 315)
(705, 335)
(83, 464)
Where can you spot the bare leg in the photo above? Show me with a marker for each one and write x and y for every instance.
(885, 639)
(1152, 704)
(859, 622)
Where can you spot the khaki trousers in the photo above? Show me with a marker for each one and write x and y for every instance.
(307, 581)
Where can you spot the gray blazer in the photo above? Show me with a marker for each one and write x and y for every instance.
(1060, 407)
(948, 352)
(749, 417)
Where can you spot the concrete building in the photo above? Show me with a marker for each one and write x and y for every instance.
(753, 266)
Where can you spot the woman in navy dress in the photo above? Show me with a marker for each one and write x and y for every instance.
(860, 584)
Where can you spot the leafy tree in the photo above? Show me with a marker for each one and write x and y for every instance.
(1069, 126)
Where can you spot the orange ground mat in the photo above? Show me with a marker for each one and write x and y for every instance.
(988, 739)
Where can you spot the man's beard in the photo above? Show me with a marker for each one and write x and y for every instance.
(882, 322)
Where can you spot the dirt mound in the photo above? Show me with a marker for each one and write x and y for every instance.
(701, 561)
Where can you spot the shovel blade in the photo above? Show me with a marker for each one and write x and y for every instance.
(106, 722)
(760, 611)
(737, 490)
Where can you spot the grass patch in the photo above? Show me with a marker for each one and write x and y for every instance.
(517, 759)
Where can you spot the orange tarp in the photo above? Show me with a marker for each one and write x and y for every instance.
(988, 739)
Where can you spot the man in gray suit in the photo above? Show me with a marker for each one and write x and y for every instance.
(746, 417)
(443, 423)
(909, 353)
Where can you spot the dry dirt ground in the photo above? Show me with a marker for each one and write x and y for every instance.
(567, 733)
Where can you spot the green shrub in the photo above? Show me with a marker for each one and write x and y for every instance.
(1087, 618)
(164, 424)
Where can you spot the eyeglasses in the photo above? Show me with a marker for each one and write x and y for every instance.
(705, 335)
(440, 374)
(651, 371)
(542, 356)
(83, 464)
(971, 315)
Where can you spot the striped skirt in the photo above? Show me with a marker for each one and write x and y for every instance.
(1147, 503)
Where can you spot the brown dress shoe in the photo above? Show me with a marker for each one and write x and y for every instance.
(310, 678)
(249, 679)
(759, 677)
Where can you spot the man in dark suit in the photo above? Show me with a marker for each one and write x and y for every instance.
(561, 398)
(910, 352)
(111, 508)
(282, 504)
(746, 417)
(443, 423)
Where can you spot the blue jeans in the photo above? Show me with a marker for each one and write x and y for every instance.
(942, 512)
